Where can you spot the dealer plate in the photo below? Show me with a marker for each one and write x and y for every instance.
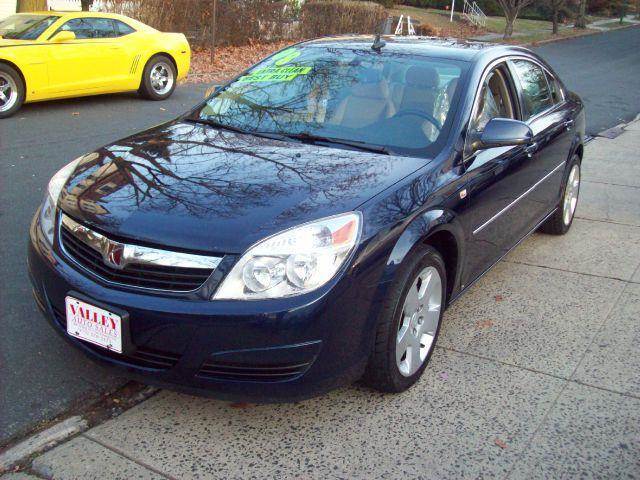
(93, 324)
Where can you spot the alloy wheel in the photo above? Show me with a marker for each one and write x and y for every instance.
(571, 192)
(161, 78)
(419, 322)
(8, 92)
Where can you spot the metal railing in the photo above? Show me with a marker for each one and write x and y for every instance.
(472, 12)
(411, 31)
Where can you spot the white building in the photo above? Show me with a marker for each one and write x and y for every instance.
(8, 7)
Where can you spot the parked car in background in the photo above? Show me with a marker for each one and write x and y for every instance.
(307, 225)
(49, 55)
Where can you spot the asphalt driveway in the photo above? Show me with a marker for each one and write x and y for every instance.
(40, 376)
(537, 376)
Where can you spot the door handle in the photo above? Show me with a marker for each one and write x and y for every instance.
(568, 124)
(531, 149)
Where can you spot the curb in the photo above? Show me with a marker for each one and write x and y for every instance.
(42, 441)
(587, 34)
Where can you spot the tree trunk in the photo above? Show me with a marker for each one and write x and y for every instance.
(508, 29)
(581, 19)
(31, 5)
(86, 4)
(555, 21)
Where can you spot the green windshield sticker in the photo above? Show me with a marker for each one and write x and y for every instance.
(274, 74)
(286, 56)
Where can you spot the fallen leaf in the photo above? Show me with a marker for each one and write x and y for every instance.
(75, 114)
(242, 405)
(163, 109)
(116, 400)
(444, 376)
(498, 298)
(484, 324)
(500, 443)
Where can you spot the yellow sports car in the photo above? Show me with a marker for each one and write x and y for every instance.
(52, 55)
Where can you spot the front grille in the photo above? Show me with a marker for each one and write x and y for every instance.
(251, 373)
(142, 357)
(157, 277)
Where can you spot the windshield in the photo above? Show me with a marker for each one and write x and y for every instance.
(400, 102)
(25, 27)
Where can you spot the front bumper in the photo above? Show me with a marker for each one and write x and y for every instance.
(260, 351)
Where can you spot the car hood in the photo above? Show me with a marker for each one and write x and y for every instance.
(7, 42)
(195, 188)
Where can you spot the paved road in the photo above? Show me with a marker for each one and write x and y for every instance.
(605, 70)
(39, 376)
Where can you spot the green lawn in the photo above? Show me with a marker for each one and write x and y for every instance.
(430, 16)
(525, 30)
(524, 26)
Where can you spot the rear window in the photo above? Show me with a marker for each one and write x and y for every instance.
(122, 28)
(402, 102)
(535, 89)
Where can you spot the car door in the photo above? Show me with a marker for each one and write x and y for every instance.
(550, 119)
(495, 177)
(85, 64)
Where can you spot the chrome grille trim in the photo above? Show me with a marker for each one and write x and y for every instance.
(133, 266)
(136, 253)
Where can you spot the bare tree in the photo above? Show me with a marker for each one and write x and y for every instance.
(511, 10)
(556, 6)
(581, 19)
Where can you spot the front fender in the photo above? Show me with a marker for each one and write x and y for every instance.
(30, 62)
(416, 232)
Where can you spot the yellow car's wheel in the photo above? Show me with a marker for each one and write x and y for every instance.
(11, 90)
(158, 78)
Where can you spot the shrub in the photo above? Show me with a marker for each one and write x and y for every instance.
(239, 22)
(332, 17)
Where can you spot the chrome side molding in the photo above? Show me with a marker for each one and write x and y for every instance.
(527, 192)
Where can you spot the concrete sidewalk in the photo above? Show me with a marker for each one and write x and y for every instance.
(537, 375)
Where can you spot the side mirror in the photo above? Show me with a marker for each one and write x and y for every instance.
(504, 132)
(63, 36)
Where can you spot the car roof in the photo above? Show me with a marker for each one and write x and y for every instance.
(437, 47)
(59, 13)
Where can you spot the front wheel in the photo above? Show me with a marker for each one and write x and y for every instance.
(560, 222)
(158, 78)
(409, 323)
(12, 91)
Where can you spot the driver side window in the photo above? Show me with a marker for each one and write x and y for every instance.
(495, 100)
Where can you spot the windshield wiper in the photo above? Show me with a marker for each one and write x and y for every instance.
(231, 128)
(308, 137)
(303, 137)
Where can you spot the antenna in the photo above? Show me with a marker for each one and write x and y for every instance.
(378, 43)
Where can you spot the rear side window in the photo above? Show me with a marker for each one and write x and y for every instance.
(90, 28)
(122, 28)
(535, 89)
(556, 89)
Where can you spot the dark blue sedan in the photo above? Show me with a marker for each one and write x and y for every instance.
(307, 224)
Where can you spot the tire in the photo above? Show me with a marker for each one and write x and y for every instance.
(158, 78)
(12, 90)
(388, 370)
(560, 222)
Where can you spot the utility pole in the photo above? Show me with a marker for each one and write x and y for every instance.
(213, 30)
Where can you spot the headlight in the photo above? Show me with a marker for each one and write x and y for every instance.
(48, 210)
(293, 262)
